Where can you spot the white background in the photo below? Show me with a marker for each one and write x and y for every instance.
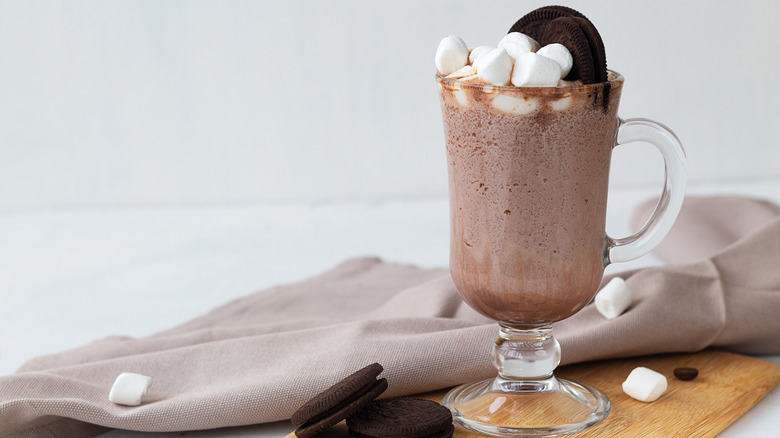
(127, 102)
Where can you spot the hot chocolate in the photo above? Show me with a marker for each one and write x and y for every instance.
(528, 178)
(530, 126)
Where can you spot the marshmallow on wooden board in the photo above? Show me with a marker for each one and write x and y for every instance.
(451, 55)
(614, 298)
(560, 54)
(129, 389)
(644, 384)
(478, 51)
(517, 44)
(535, 70)
(495, 67)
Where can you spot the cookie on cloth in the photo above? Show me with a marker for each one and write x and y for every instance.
(338, 402)
(402, 417)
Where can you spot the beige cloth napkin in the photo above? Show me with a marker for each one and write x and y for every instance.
(258, 358)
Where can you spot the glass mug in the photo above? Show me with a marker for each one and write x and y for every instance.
(528, 175)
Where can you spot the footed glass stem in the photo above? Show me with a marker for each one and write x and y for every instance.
(526, 399)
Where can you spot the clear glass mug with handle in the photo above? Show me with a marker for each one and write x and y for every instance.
(528, 172)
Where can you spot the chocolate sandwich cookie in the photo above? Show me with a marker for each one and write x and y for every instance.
(597, 50)
(402, 417)
(534, 22)
(338, 402)
(567, 31)
(583, 40)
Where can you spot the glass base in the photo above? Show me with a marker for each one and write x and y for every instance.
(536, 407)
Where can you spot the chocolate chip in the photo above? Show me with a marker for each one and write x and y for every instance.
(686, 373)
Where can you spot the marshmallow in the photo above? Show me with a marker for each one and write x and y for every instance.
(562, 103)
(614, 298)
(535, 70)
(563, 83)
(514, 105)
(462, 98)
(476, 52)
(451, 55)
(462, 72)
(495, 67)
(560, 54)
(517, 44)
(129, 389)
(644, 384)
(457, 92)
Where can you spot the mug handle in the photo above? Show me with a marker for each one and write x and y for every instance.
(665, 213)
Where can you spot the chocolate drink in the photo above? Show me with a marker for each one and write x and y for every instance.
(528, 178)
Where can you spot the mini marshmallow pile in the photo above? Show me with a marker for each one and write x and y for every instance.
(518, 60)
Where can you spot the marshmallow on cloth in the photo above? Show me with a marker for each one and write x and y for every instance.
(614, 298)
(535, 70)
(476, 52)
(495, 67)
(451, 55)
(517, 44)
(644, 384)
(129, 389)
(560, 54)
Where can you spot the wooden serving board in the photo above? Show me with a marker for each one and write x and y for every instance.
(727, 386)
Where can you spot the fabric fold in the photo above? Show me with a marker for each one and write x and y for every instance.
(258, 358)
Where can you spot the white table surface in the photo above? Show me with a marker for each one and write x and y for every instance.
(70, 276)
